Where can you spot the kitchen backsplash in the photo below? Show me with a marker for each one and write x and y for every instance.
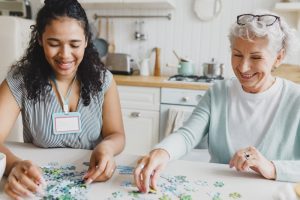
(185, 33)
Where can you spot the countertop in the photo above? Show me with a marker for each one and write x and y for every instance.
(200, 180)
(157, 81)
(290, 72)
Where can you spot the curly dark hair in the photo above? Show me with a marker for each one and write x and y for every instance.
(35, 69)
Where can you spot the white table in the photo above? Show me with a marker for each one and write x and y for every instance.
(250, 185)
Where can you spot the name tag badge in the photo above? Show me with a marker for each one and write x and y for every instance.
(66, 123)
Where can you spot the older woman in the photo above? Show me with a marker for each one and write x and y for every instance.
(252, 121)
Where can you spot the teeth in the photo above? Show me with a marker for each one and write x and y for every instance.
(246, 75)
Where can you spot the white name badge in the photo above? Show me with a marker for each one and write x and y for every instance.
(66, 123)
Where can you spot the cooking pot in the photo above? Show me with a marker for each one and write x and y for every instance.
(213, 69)
(186, 68)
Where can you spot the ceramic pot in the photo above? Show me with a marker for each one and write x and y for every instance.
(144, 67)
(186, 68)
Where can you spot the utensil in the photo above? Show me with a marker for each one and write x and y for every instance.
(213, 69)
(157, 62)
(111, 46)
(100, 43)
(93, 30)
(179, 58)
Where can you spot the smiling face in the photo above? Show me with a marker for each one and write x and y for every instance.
(64, 43)
(252, 63)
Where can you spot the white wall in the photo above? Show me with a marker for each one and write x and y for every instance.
(199, 41)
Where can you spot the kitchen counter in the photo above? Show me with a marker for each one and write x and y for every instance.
(290, 72)
(157, 81)
(201, 180)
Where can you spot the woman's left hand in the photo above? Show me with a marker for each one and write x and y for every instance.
(102, 166)
(251, 158)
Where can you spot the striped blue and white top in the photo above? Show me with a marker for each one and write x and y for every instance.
(37, 118)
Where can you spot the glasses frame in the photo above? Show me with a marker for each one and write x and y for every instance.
(258, 16)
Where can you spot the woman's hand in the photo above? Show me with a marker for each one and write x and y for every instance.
(149, 168)
(102, 165)
(24, 180)
(253, 159)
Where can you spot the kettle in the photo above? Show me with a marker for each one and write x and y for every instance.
(213, 69)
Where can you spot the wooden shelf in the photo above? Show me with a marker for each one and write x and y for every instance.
(125, 4)
(132, 4)
(289, 6)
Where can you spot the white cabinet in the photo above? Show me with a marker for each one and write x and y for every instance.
(147, 4)
(141, 129)
(176, 107)
(140, 110)
(292, 6)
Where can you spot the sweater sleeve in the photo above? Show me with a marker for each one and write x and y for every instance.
(287, 170)
(191, 133)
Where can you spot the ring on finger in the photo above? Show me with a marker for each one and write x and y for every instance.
(246, 155)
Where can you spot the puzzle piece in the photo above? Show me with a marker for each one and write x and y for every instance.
(125, 169)
(64, 182)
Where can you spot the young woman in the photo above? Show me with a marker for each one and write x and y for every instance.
(252, 121)
(61, 76)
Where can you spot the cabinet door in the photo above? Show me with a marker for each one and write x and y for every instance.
(141, 129)
(144, 98)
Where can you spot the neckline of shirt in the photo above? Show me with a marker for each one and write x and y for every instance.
(275, 88)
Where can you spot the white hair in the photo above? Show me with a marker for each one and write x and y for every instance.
(279, 34)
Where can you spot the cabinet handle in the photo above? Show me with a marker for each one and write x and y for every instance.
(135, 114)
(185, 99)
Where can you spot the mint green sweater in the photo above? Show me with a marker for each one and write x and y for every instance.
(281, 143)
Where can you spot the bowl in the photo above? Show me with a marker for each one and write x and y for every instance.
(2, 164)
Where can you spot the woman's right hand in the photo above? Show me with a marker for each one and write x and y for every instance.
(148, 169)
(24, 180)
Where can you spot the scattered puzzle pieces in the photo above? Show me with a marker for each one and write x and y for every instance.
(64, 182)
(165, 197)
(218, 184)
(173, 188)
(235, 195)
(125, 169)
(186, 197)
